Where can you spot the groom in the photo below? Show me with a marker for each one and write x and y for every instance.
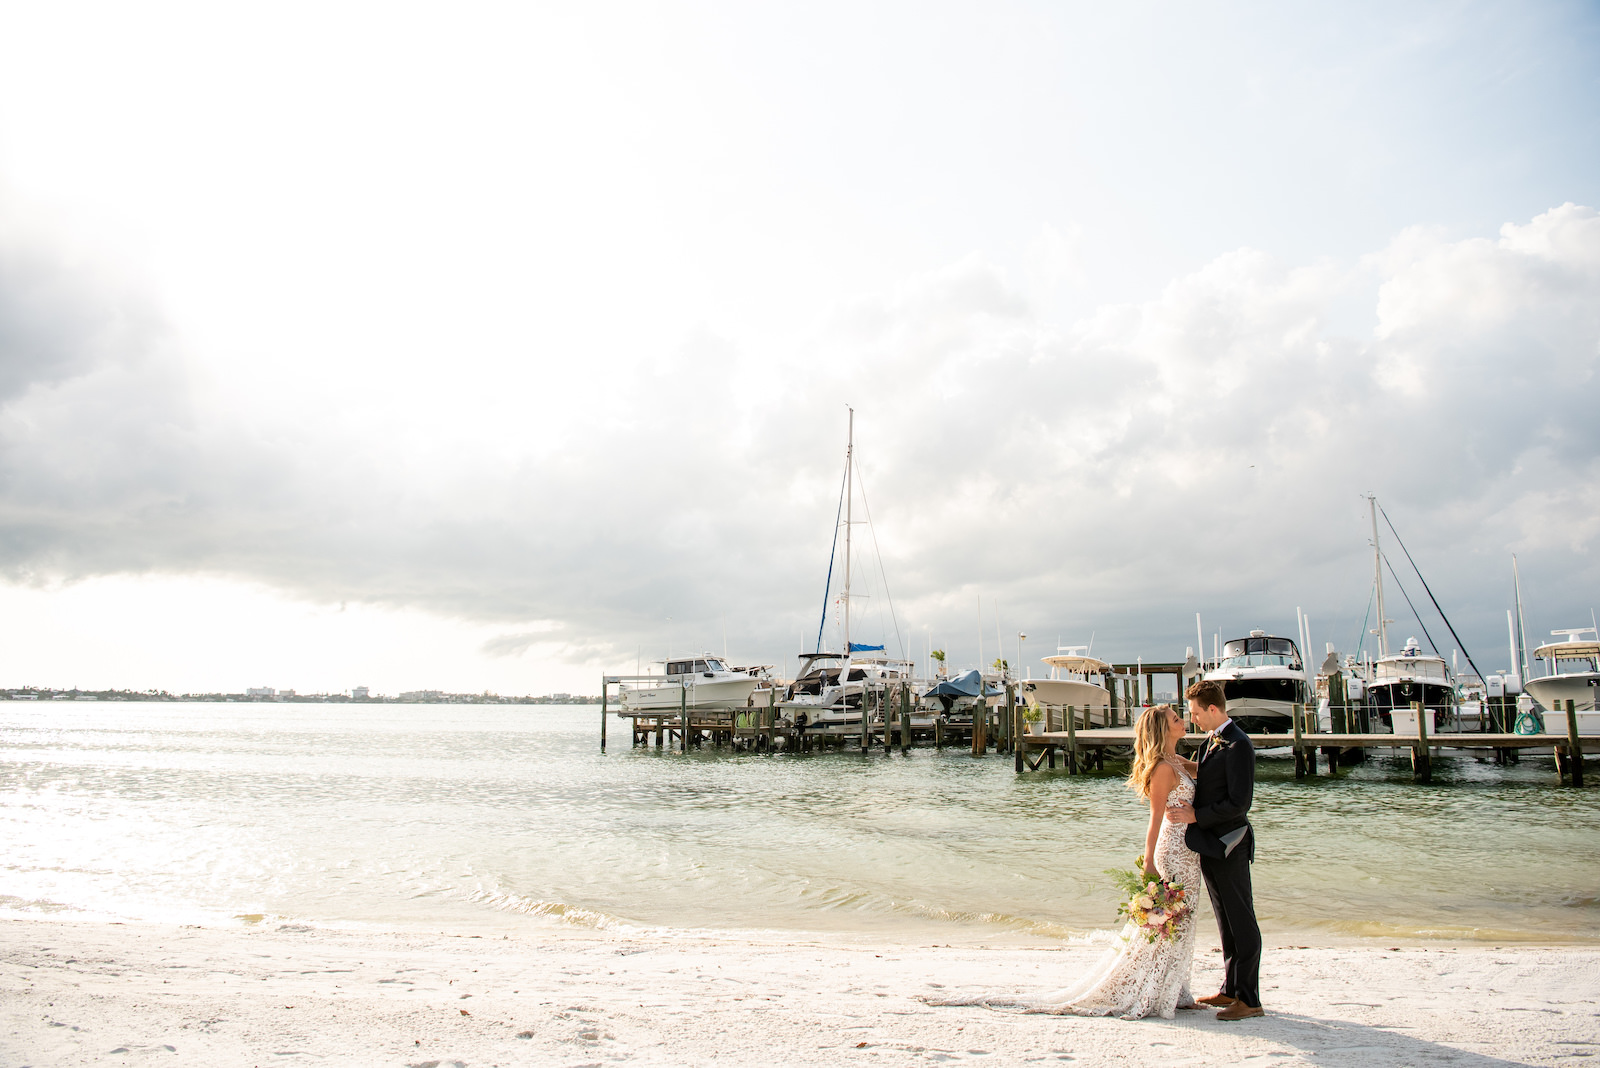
(1220, 833)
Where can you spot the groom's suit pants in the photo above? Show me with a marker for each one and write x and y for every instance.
(1228, 883)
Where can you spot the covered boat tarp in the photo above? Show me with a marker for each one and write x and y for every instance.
(857, 647)
(965, 685)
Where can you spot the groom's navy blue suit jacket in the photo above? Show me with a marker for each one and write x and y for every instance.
(1222, 791)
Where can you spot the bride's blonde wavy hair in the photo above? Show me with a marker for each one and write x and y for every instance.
(1149, 739)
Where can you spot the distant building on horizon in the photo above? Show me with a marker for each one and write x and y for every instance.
(561, 697)
(422, 696)
(360, 693)
(260, 691)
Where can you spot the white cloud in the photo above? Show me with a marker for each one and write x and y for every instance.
(1204, 449)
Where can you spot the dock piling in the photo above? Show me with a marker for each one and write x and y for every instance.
(605, 687)
(1297, 715)
(905, 718)
(1072, 741)
(1421, 759)
(1574, 747)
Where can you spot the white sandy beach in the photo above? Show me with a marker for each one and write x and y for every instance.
(94, 993)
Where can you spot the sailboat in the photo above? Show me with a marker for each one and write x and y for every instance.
(830, 690)
(1396, 680)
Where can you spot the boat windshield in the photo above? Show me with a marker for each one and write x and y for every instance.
(1574, 665)
(1260, 652)
(686, 667)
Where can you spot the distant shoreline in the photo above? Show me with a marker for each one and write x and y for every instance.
(428, 697)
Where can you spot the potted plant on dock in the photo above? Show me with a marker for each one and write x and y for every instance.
(938, 656)
(1033, 716)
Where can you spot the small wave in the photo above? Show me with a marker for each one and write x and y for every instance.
(569, 915)
(1378, 930)
(1008, 922)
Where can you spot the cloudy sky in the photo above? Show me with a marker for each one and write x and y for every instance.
(478, 347)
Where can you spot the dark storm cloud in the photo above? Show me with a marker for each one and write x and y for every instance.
(1203, 450)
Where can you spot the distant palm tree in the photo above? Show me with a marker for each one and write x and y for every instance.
(938, 654)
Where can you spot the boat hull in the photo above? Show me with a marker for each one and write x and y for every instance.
(1554, 691)
(1059, 693)
(720, 694)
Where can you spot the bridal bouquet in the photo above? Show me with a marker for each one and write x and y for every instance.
(1154, 906)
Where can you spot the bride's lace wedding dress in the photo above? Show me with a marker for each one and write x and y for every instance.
(1139, 978)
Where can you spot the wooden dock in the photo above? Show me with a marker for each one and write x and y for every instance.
(1082, 749)
(892, 722)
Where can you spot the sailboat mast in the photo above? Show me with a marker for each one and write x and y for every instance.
(1522, 629)
(849, 494)
(1377, 577)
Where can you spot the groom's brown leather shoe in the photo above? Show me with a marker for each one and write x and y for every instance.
(1240, 1011)
(1216, 1001)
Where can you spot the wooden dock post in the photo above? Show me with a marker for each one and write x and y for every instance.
(980, 723)
(605, 687)
(1308, 716)
(1297, 715)
(1421, 759)
(1018, 732)
(1574, 747)
(772, 715)
(905, 717)
(1338, 723)
(886, 704)
(1009, 733)
(683, 718)
(1072, 739)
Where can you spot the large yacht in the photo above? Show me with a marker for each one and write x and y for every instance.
(1076, 680)
(1412, 675)
(1574, 675)
(1263, 679)
(702, 682)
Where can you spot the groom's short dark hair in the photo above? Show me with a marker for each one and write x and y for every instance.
(1208, 692)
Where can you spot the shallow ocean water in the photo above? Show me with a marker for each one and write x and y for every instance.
(492, 818)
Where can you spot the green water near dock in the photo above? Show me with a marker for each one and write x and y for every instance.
(495, 818)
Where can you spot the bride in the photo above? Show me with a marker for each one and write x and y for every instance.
(1141, 978)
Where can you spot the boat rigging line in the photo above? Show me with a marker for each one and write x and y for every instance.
(833, 550)
(881, 573)
(1431, 597)
(1361, 643)
(1431, 643)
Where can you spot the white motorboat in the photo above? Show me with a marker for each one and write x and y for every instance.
(1072, 683)
(1263, 679)
(1573, 674)
(704, 683)
(1407, 676)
